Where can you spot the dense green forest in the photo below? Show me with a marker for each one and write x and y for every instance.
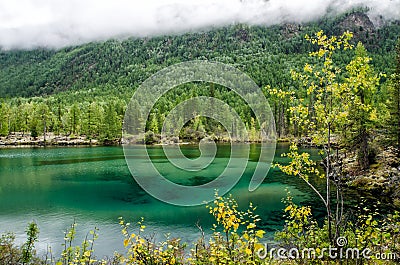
(84, 90)
(334, 84)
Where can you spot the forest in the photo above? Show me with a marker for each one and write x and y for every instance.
(83, 91)
(332, 84)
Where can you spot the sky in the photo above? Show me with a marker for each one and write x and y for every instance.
(27, 24)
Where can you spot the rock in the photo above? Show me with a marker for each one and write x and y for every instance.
(360, 24)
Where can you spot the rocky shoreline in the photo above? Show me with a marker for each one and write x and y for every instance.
(51, 140)
(381, 179)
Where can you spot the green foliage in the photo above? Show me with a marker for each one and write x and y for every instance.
(4, 119)
(393, 102)
(342, 110)
(143, 250)
(9, 253)
(325, 107)
(112, 125)
(263, 52)
(70, 80)
(13, 254)
(365, 230)
(226, 245)
(300, 227)
(362, 116)
(28, 249)
(77, 255)
(73, 118)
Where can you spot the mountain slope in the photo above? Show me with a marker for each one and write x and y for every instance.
(265, 53)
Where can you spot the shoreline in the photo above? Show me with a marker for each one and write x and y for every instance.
(25, 141)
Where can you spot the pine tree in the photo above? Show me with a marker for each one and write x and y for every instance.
(4, 119)
(74, 118)
(93, 120)
(153, 125)
(133, 121)
(111, 123)
(362, 83)
(57, 122)
(43, 113)
(25, 113)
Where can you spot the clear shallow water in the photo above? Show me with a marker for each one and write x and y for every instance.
(93, 186)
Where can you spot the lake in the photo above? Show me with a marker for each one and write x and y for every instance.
(55, 186)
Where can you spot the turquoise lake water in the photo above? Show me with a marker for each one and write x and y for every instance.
(93, 186)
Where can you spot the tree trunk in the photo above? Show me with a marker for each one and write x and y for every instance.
(44, 131)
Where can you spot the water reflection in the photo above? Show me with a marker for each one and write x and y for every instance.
(55, 186)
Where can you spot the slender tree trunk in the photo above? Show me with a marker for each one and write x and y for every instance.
(398, 115)
(397, 94)
(44, 131)
(282, 119)
(328, 186)
(90, 126)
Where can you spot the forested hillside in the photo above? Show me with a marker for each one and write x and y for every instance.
(83, 90)
(333, 85)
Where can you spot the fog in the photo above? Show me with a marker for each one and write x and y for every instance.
(29, 24)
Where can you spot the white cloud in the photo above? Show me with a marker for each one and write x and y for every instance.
(57, 23)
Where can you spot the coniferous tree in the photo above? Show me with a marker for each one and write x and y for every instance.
(25, 116)
(153, 125)
(4, 119)
(74, 118)
(33, 126)
(362, 83)
(58, 122)
(111, 129)
(93, 119)
(43, 113)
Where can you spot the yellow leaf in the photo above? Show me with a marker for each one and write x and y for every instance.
(248, 251)
(258, 246)
(126, 242)
(251, 225)
(260, 233)
(288, 208)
